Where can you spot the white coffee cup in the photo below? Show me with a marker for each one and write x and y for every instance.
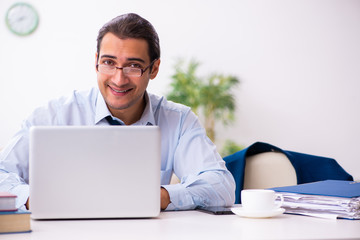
(260, 200)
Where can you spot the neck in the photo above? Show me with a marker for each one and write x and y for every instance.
(132, 114)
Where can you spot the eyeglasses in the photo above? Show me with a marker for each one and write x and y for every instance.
(128, 71)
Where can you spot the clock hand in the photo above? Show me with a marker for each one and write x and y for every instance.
(20, 19)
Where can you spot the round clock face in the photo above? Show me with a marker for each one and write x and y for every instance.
(22, 19)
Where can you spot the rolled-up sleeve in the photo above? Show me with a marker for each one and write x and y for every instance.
(14, 167)
(204, 179)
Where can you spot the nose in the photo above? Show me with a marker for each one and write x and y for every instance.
(119, 78)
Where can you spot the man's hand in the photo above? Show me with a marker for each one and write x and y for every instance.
(27, 204)
(165, 198)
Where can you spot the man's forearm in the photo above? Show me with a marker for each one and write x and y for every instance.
(165, 198)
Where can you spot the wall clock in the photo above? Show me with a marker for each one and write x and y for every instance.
(22, 19)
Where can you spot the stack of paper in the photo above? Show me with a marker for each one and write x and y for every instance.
(328, 199)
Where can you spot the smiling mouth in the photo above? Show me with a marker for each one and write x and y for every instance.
(121, 91)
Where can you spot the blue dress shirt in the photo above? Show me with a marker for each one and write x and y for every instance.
(186, 150)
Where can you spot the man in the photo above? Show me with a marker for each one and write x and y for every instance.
(127, 57)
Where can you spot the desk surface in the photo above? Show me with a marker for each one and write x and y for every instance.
(193, 225)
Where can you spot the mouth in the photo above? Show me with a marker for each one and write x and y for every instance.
(121, 92)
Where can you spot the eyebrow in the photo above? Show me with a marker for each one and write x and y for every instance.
(128, 59)
(136, 59)
(108, 56)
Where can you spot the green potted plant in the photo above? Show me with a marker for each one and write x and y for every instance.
(212, 98)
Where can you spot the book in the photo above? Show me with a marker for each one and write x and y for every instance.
(15, 221)
(329, 198)
(7, 201)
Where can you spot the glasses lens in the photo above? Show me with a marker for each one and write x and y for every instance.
(111, 70)
(105, 69)
(131, 71)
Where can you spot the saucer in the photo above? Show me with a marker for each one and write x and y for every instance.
(240, 211)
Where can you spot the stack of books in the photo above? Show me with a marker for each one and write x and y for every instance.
(328, 199)
(12, 220)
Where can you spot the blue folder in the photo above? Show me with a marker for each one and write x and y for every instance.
(333, 188)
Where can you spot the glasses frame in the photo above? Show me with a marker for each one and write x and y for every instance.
(143, 70)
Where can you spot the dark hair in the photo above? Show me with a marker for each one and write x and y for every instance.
(132, 25)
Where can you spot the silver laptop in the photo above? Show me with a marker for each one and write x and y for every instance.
(94, 172)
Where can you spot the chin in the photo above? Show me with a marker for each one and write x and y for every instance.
(117, 106)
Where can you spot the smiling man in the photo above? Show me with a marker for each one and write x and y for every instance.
(123, 88)
(127, 58)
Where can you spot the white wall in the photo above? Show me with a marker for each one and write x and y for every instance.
(298, 62)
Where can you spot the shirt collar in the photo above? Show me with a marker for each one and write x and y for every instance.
(147, 118)
(102, 111)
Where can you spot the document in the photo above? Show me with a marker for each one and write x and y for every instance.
(329, 199)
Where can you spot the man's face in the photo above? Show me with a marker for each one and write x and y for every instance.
(124, 95)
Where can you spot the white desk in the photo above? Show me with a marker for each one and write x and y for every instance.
(193, 225)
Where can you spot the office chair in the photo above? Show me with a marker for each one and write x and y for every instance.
(174, 179)
(268, 170)
(308, 168)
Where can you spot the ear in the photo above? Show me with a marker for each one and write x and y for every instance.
(155, 69)
(96, 56)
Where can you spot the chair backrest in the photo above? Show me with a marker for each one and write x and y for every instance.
(174, 179)
(267, 170)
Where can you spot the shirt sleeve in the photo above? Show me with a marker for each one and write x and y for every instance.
(205, 181)
(14, 158)
(14, 168)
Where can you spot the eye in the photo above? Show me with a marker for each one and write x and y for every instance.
(135, 65)
(108, 62)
